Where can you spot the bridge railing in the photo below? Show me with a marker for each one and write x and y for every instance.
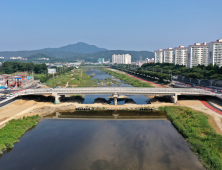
(115, 90)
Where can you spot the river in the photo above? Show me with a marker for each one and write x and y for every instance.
(98, 74)
(102, 140)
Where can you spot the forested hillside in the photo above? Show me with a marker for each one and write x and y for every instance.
(79, 51)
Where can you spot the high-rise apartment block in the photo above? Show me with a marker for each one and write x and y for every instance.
(197, 55)
(158, 56)
(180, 55)
(168, 55)
(215, 52)
(121, 59)
(194, 55)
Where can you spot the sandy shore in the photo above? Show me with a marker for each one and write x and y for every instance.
(22, 108)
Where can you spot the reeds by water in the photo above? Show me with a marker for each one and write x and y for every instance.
(14, 129)
(203, 139)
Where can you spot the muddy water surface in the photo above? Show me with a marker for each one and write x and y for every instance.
(102, 144)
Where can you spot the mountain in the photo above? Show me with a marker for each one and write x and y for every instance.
(78, 48)
(75, 52)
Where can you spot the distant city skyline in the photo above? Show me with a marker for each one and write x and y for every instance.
(114, 25)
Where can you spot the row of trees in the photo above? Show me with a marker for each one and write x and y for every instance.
(12, 67)
(206, 72)
(44, 77)
(162, 70)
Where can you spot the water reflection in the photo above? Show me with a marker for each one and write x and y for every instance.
(110, 114)
(101, 144)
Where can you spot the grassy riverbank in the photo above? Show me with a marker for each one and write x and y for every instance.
(203, 139)
(81, 79)
(127, 79)
(14, 129)
(73, 78)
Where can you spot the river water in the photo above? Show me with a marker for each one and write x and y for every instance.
(98, 74)
(102, 140)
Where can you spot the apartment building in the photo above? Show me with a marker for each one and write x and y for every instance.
(180, 55)
(197, 54)
(168, 55)
(121, 59)
(158, 56)
(215, 52)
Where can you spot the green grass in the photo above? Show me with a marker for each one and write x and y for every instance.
(60, 80)
(127, 79)
(203, 139)
(82, 80)
(14, 129)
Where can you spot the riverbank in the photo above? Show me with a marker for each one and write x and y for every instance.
(14, 129)
(195, 128)
(127, 79)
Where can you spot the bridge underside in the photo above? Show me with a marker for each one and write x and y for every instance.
(116, 91)
(61, 96)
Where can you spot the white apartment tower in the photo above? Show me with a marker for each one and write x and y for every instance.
(168, 55)
(215, 52)
(180, 55)
(121, 59)
(197, 54)
(158, 56)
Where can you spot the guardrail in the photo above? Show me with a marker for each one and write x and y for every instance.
(115, 90)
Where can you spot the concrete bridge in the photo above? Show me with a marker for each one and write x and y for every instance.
(60, 93)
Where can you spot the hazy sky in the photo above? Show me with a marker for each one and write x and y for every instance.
(112, 24)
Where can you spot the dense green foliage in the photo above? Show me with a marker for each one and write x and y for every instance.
(14, 129)
(161, 77)
(194, 126)
(201, 71)
(162, 71)
(127, 79)
(12, 67)
(35, 58)
(44, 77)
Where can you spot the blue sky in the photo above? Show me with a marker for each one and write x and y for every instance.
(112, 24)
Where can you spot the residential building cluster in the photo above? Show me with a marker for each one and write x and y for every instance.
(148, 60)
(42, 58)
(15, 81)
(193, 55)
(121, 59)
(17, 58)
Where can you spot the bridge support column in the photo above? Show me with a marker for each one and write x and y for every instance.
(211, 82)
(57, 98)
(174, 98)
(115, 96)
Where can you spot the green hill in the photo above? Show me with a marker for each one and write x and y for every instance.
(74, 52)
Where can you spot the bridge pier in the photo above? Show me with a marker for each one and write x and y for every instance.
(115, 96)
(174, 98)
(57, 98)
